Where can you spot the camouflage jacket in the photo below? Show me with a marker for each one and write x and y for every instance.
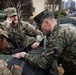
(66, 45)
(21, 33)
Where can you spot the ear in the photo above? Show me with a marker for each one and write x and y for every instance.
(47, 22)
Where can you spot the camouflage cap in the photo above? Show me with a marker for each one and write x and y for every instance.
(44, 14)
(11, 11)
(2, 32)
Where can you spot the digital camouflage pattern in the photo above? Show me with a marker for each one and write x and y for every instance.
(66, 48)
(24, 34)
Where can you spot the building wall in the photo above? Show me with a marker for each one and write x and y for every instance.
(69, 3)
(39, 6)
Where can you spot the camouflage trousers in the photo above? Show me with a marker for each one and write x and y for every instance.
(69, 67)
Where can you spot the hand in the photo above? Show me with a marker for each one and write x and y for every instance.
(19, 55)
(8, 21)
(16, 70)
(16, 67)
(60, 70)
(35, 45)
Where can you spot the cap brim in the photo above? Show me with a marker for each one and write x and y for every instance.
(6, 36)
(14, 14)
(4, 33)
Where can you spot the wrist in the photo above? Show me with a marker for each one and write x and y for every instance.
(25, 55)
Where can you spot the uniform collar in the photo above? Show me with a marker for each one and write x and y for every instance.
(55, 28)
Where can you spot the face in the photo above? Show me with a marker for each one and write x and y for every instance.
(14, 19)
(48, 25)
(45, 27)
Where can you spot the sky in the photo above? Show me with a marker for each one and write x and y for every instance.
(67, 0)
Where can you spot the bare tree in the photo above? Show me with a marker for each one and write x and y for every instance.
(53, 4)
(24, 7)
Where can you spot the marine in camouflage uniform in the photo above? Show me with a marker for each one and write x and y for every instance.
(66, 45)
(4, 70)
(21, 33)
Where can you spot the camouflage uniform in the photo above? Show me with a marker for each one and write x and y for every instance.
(4, 70)
(66, 48)
(23, 33)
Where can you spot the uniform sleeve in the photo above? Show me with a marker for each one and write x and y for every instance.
(31, 30)
(46, 58)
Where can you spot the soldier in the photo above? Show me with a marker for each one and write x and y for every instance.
(66, 44)
(4, 70)
(22, 32)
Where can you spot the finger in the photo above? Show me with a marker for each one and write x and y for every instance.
(14, 55)
(16, 66)
(32, 46)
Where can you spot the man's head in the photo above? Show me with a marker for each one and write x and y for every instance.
(45, 21)
(11, 14)
(3, 39)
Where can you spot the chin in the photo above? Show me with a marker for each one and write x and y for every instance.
(46, 32)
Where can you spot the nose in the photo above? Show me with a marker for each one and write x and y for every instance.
(15, 17)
